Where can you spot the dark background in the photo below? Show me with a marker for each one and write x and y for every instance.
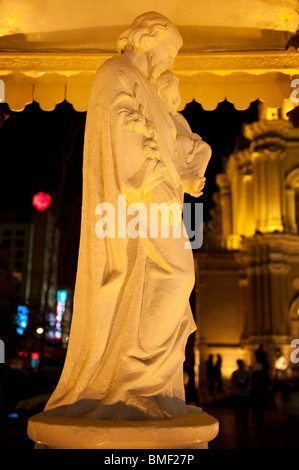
(43, 151)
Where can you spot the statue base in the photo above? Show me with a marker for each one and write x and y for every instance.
(190, 431)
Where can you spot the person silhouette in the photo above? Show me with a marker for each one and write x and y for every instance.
(217, 373)
(240, 387)
(210, 374)
(258, 393)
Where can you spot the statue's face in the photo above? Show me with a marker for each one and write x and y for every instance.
(161, 57)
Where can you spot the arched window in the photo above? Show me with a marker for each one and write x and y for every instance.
(292, 199)
(297, 205)
(294, 318)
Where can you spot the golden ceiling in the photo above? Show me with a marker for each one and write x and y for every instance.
(50, 51)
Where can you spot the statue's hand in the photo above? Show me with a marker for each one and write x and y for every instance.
(195, 189)
(200, 182)
(194, 193)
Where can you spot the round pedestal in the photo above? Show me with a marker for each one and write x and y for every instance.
(191, 431)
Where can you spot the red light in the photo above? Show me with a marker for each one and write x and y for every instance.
(34, 356)
(41, 201)
(22, 354)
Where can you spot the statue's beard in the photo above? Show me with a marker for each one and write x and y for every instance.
(155, 69)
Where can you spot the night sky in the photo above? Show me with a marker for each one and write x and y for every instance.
(33, 143)
(42, 151)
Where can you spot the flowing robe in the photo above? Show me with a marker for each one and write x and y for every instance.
(131, 314)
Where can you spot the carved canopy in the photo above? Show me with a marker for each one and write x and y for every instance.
(50, 51)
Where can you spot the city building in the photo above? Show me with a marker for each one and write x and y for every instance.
(247, 271)
(30, 254)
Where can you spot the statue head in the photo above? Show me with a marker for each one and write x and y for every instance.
(167, 86)
(154, 35)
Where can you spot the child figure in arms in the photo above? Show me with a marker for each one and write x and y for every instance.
(193, 154)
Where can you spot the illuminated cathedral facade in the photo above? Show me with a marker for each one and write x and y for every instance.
(247, 271)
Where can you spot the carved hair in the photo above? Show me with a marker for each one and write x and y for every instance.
(145, 31)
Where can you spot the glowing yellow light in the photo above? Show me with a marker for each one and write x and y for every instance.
(281, 363)
(271, 114)
(283, 16)
(274, 227)
(247, 178)
(287, 106)
(233, 242)
(17, 275)
(40, 331)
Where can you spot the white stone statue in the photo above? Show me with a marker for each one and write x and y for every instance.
(131, 316)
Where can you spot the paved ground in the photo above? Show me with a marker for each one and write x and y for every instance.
(277, 432)
(13, 434)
